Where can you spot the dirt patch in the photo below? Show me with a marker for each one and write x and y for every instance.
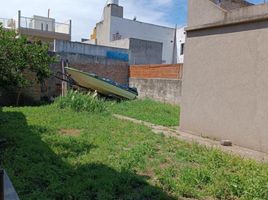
(164, 165)
(147, 174)
(70, 132)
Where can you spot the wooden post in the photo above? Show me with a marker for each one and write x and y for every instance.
(2, 189)
(62, 82)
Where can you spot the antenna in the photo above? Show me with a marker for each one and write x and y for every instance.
(48, 13)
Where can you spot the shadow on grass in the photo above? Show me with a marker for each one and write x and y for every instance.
(38, 173)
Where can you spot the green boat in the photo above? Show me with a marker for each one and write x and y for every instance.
(103, 86)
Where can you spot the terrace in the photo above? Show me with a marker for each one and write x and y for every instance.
(8, 23)
(38, 26)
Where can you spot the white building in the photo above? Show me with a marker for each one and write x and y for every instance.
(181, 36)
(39, 27)
(115, 30)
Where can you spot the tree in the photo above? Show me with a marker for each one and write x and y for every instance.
(19, 59)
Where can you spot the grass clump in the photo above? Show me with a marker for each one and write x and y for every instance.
(150, 111)
(78, 102)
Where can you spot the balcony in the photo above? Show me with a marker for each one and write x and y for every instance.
(44, 28)
(8, 23)
(45, 24)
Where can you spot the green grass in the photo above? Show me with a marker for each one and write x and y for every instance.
(150, 111)
(79, 102)
(113, 159)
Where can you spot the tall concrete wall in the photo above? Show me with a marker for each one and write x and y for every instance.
(232, 4)
(225, 83)
(145, 52)
(144, 31)
(140, 51)
(197, 16)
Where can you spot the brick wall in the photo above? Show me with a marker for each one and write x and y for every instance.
(115, 70)
(173, 71)
(29, 95)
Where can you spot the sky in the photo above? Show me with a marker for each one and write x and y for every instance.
(86, 13)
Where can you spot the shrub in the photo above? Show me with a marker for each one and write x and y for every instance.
(79, 102)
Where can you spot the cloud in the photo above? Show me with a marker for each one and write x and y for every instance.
(86, 13)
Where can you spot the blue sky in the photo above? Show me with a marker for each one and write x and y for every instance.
(86, 13)
(178, 8)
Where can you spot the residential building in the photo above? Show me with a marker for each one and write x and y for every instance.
(224, 90)
(39, 28)
(117, 31)
(181, 35)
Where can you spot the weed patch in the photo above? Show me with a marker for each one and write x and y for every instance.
(78, 102)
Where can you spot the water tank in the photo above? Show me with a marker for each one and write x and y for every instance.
(116, 2)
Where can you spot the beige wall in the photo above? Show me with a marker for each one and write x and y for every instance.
(197, 16)
(43, 35)
(225, 84)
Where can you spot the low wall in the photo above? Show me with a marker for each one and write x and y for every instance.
(173, 71)
(158, 82)
(164, 90)
(85, 49)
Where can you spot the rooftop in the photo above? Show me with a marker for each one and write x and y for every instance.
(204, 14)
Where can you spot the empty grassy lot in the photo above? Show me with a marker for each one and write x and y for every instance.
(150, 111)
(57, 153)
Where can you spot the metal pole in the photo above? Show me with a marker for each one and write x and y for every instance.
(70, 29)
(2, 197)
(19, 19)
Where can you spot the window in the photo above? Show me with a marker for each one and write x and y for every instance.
(182, 49)
(42, 26)
(46, 27)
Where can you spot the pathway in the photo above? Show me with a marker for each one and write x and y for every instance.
(176, 133)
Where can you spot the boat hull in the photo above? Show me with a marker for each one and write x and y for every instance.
(92, 82)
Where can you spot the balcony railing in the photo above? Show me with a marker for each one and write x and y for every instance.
(44, 25)
(8, 23)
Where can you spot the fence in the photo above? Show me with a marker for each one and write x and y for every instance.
(44, 24)
(8, 23)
